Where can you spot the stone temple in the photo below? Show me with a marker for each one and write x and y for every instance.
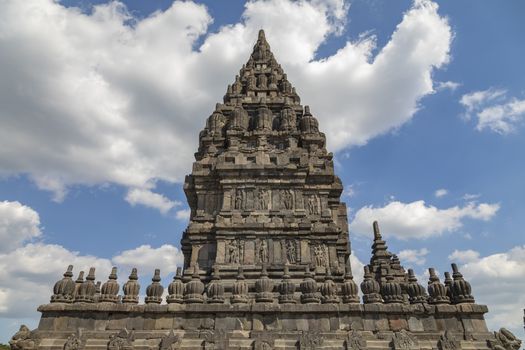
(266, 255)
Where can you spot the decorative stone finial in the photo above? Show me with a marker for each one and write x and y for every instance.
(131, 288)
(416, 292)
(391, 290)
(329, 289)
(109, 290)
(309, 289)
(349, 287)
(448, 285)
(264, 287)
(194, 289)
(240, 289)
(64, 290)
(154, 290)
(176, 289)
(287, 288)
(309, 124)
(461, 290)
(215, 290)
(436, 290)
(87, 290)
(370, 288)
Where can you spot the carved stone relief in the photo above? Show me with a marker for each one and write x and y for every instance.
(287, 200)
(320, 255)
(170, 342)
(313, 205)
(235, 251)
(505, 340)
(291, 251)
(73, 342)
(354, 341)
(24, 339)
(263, 253)
(404, 340)
(121, 341)
(310, 340)
(448, 342)
(259, 344)
(263, 200)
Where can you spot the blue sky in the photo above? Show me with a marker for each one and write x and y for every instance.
(443, 173)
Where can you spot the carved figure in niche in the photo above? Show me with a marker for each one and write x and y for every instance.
(291, 251)
(287, 199)
(313, 205)
(235, 252)
(320, 256)
(263, 81)
(263, 199)
(240, 199)
(263, 251)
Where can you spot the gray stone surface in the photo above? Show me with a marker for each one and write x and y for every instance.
(266, 254)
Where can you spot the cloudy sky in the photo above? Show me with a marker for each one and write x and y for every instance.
(423, 104)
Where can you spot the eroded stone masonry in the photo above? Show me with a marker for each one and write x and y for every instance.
(266, 254)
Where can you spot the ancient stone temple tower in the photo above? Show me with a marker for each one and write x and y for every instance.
(263, 190)
(266, 255)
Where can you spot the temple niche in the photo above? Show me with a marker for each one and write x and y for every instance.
(266, 254)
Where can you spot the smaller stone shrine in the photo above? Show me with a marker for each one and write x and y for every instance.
(266, 255)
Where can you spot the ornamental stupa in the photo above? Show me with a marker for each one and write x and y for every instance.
(266, 254)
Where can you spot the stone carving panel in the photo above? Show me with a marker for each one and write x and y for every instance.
(292, 255)
(287, 199)
(310, 340)
(234, 251)
(170, 342)
(313, 205)
(73, 342)
(263, 252)
(121, 341)
(320, 255)
(404, 340)
(262, 201)
(354, 341)
(447, 341)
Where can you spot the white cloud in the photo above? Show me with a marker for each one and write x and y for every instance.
(496, 281)
(416, 220)
(166, 257)
(183, 214)
(441, 192)
(150, 199)
(18, 224)
(494, 109)
(414, 256)
(349, 191)
(464, 256)
(470, 197)
(87, 99)
(447, 85)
